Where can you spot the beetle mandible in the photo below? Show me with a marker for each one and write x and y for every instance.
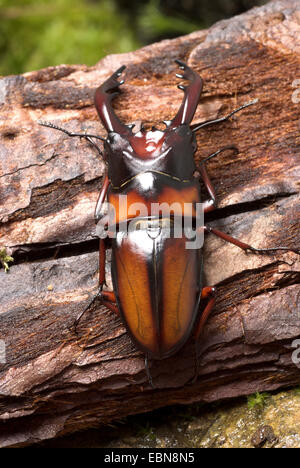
(157, 281)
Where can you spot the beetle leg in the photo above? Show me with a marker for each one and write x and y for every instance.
(102, 258)
(78, 318)
(243, 245)
(208, 293)
(98, 215)
(191, 98)
(225, 148)
(103, 97)
(110, 304)
(210, 204)
(107, 298)
(223, 119)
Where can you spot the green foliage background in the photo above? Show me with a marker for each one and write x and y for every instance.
(40, 33)
(36, 34)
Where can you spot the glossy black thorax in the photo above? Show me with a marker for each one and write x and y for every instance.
(168, 152)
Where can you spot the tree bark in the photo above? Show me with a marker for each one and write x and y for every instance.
(53, 382)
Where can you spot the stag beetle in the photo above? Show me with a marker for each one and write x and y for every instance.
(157, 281)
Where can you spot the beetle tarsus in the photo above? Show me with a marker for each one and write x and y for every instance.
(80, 315)
(225, 148)
(271, 249)
(243, 245)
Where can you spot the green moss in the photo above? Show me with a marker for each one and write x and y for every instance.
(257, 400)
(146, 431)
(5, 260)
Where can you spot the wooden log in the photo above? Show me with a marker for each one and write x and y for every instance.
(53, 382)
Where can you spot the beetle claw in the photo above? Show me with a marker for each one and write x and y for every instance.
(112, 84)
(119, 71)
(188, 73)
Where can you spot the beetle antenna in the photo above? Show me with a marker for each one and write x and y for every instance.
(226, 117)
(72, 134)
(229, 147)
(67, 132)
